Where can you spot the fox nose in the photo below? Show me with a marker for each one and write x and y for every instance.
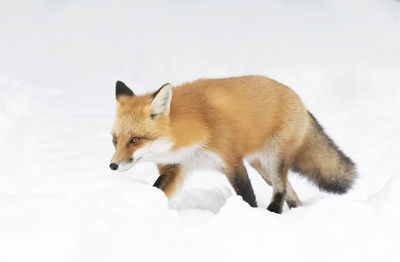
(114, 166)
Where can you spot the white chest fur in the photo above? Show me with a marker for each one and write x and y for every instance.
(194, 156)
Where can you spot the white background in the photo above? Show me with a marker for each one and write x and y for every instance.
(59, 61)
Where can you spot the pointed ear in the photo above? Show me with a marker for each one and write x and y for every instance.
(161, 101)
(122, 90)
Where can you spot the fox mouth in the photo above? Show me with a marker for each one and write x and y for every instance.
(125, 165)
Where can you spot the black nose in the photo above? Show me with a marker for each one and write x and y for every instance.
(114, 166)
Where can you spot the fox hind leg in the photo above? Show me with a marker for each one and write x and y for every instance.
(292, 199)
(276, 164)
(279, 180)
(240, 182)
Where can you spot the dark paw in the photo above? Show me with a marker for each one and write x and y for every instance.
(275, 207)
(291, 203)
(252, 203)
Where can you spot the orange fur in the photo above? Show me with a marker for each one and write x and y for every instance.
(237, 116)
(225, 121)
(233, 117)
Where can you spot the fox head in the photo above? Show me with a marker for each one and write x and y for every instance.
(140, 123)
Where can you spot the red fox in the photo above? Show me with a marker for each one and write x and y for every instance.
(219, 123)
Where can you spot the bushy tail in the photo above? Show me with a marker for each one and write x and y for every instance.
(320, 160)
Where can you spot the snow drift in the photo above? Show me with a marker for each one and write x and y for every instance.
(59, 61)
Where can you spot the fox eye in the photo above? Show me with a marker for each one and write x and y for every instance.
(134, 140)
(114, 139)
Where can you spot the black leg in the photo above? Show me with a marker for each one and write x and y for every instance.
(240, 181)
(167, 181)
(291, 203)
(279, 178)
(161, 181)
(277, 202)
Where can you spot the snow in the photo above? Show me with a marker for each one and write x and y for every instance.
(59, 61)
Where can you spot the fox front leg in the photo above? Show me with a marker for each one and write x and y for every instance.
(169, 179)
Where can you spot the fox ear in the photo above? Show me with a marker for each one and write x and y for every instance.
(161, 101)
(122, 90)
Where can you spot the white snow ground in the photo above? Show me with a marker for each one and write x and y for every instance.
(59, 61)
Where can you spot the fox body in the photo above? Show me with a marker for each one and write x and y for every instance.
(219, 123)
